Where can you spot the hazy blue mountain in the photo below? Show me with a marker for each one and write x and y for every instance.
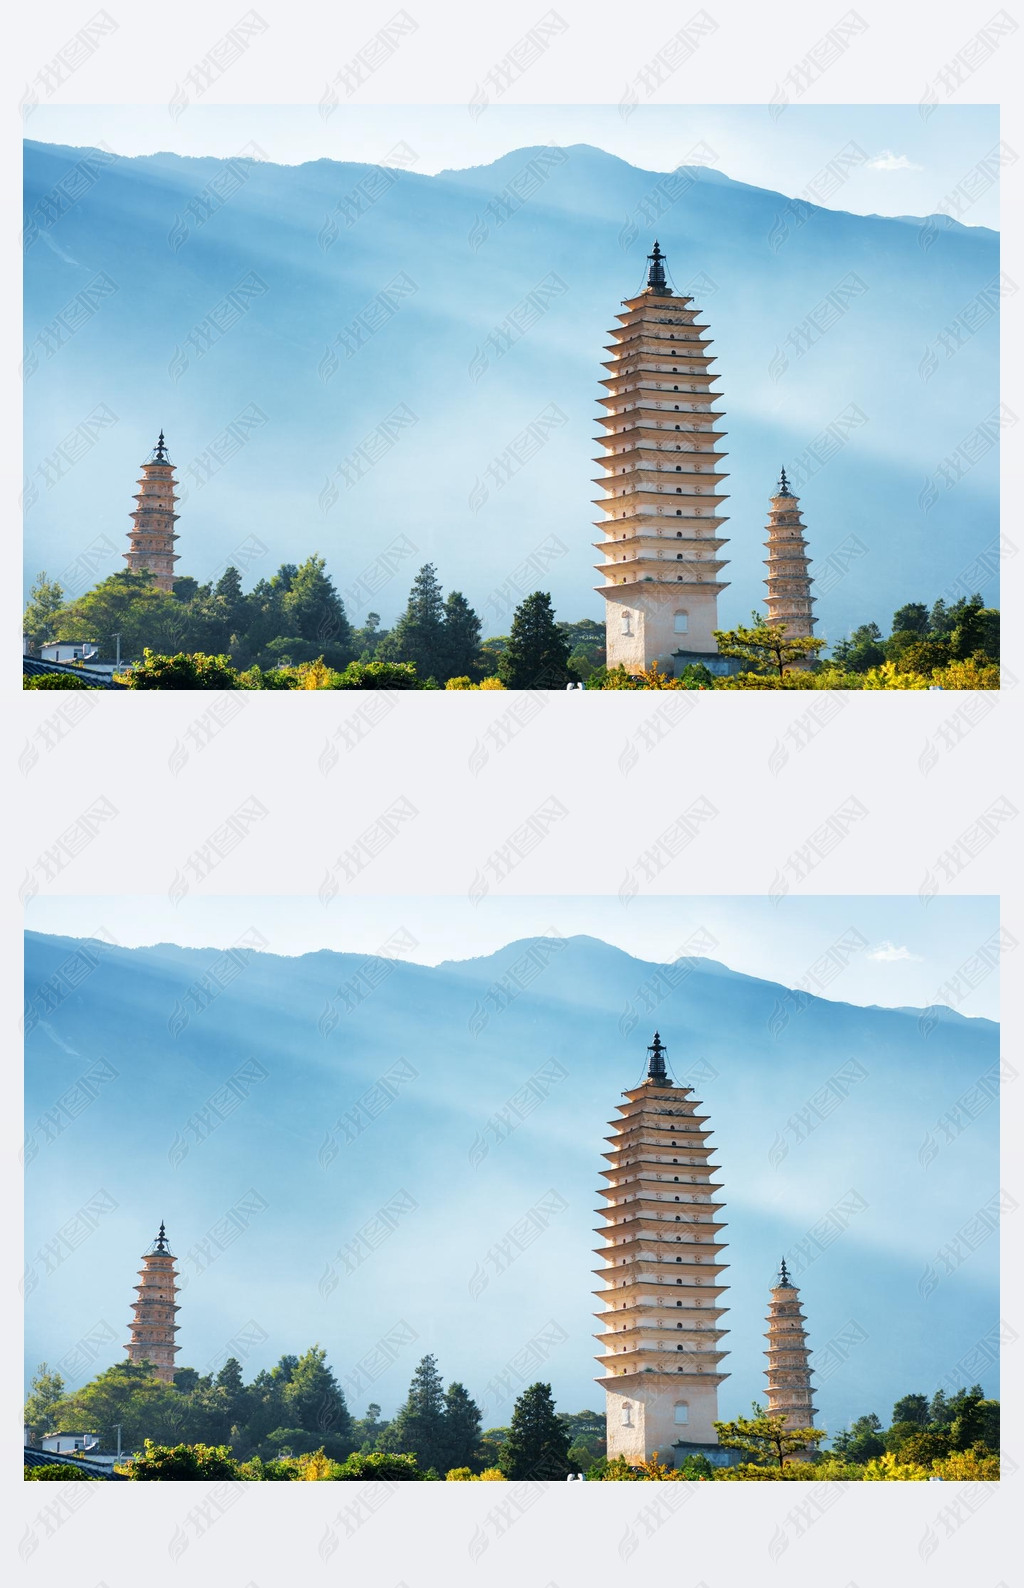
(500, 1075)
(308, 250)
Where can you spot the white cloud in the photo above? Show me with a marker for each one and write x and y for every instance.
(888, 952)
(887, 161)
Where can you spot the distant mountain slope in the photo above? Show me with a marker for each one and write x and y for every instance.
(177, 1082)
(475, 302)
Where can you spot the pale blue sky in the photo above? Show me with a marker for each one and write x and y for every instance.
(910, 949)
(913, 162)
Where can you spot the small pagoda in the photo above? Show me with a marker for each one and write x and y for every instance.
(153, 1327)
(789, 600)
(151, 537)
(662, 482)
(661, 1283)
(789, 1365)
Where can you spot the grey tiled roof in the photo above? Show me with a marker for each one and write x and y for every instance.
(46, 1458)
(32, 667)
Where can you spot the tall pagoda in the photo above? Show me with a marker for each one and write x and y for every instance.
(662, 481)
(789, 1365)
(151, 537)
(153, 1327)
(789, 600)
(661, 1283)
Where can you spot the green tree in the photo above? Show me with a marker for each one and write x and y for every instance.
(56, 681)
(127, 1394)
(975, 628)
(538, 1443)
(862, 651)
(419, 634)
(45, 600)
(45, 1394)
(586, 642)
(367, 1430)
(975, 1419)
(911, 619)
(313, 611)
(128, 604)
(229, 593)
(377, 675)
(182, 672)
(183, 1463)
(313, 1400)
(461, 638)
(461, 1436)
(941, 619)
(379, 1466)
(229, 1379)
(366, 639)
(768, 1439)
(938, 1411)
(767, 648)
(491, 1441)
(912, 1408)
(863, 1440)
(921, 1446)
(537, 654)
(419, 1428)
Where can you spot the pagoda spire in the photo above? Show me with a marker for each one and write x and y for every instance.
(656, 1071)
(152, 536)
(789, 600)
(789, 1394)
(662, 477)
(153, 1312)
(662, 1280)
(656, 282)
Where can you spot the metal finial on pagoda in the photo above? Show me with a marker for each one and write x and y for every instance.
(160, 454)
(783, 1274)
(161, 1244)
(656, 1070)
(656, 275)
(783, 489)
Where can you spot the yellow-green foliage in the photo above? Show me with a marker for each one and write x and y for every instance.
(968, 1466)
(833, 1469)
(316, 675)
(977, 672)
(890, 1469)
(492, 1475)
(888, 676)
(315, 1468)
(459, 1475)
(466, 683)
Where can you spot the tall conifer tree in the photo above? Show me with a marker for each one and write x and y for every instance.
(537, 654)
(538, 1441)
